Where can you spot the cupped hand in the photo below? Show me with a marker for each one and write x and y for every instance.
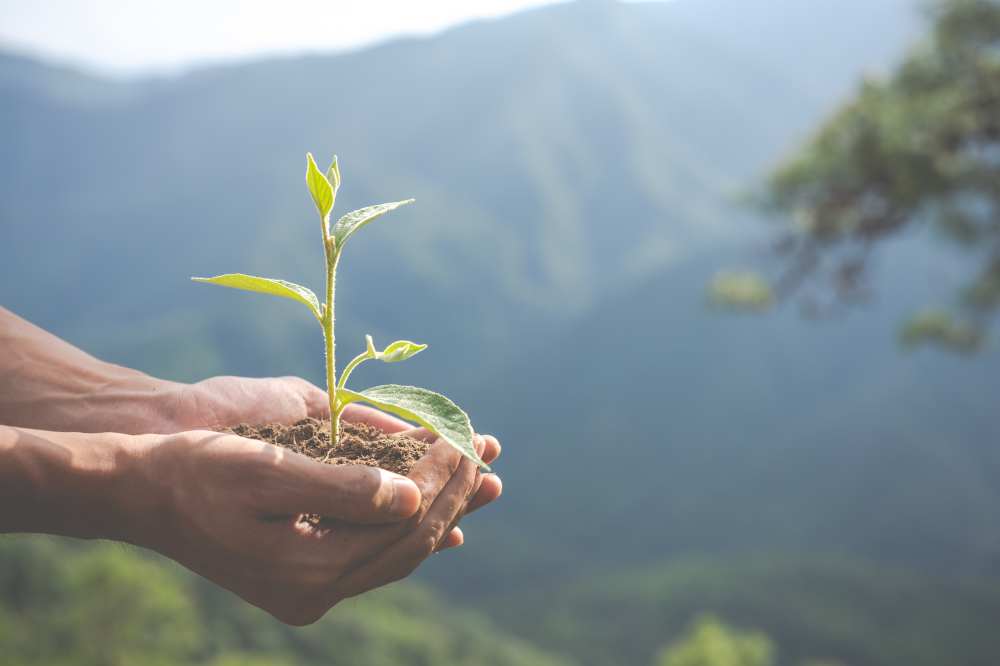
(230, 509)
(220, 402)
(227, 401)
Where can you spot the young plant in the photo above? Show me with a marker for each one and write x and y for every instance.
(431, 410)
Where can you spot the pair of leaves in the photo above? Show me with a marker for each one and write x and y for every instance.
(323, 189)
(324, 193)
(431, 410)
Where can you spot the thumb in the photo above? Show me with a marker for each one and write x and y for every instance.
(353, 493)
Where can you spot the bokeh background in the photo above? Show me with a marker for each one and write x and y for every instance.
(718, 273)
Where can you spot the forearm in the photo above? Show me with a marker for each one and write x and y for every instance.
(72, 484)
(47, 383)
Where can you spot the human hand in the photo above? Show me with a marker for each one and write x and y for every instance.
(231, 511)
(220, 402)
(227, 401)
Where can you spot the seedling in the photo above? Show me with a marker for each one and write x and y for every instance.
(431, 410)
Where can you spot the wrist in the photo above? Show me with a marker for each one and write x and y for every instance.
(48, 384)
(88, 486)
(123, 400)
(91, 397)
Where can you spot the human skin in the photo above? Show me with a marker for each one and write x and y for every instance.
(229, 508)
(77, 459)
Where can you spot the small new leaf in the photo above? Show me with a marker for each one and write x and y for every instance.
(333, 175)
(296, 292)
(354, 220)
(319, 188)
(400, 350)
(431, 410)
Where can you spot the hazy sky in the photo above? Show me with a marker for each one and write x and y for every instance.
(129, 36)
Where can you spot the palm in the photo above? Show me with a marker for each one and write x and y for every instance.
(220, 402)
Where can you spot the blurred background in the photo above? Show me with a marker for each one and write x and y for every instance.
(720, 274)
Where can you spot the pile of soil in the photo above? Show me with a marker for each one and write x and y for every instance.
(360, 443)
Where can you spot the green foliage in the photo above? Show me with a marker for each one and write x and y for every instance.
(710, 642)
(741, 291)
(397, 351)
(400, 350)
(841, 610)
(920, 147)
(244, 659)
(429, 409)
(940, 327)
(64, 603)
(333, 175)
(103, 606)
(356, 219)
(321, 188)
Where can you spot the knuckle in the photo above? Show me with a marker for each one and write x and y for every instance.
(366, 487)
(469, 479)
(424, 546)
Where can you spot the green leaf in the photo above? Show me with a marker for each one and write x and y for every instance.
(319, 188)
(356, 219)
(296, 292)
(400, 350)
(431, 410)
(333, 175)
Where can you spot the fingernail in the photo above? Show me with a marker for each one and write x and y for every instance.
(405, 497)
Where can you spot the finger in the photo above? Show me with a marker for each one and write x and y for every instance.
(420, 434)
(492, 448)
(433, 472)
(481, 444)
(356, 413)
(490, 489)
(402, 557)
(453, 539)
(353, 493)
(430, 475)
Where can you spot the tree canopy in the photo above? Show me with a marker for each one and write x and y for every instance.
(712, 643)
(920, 148)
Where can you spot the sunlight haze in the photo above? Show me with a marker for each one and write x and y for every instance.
(121, 37)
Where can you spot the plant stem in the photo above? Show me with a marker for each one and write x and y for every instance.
(331, 344)
(358, 360)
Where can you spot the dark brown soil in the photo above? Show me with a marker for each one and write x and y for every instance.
(360, 443)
